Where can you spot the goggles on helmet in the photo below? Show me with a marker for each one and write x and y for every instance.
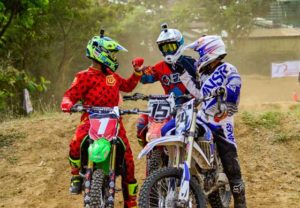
(168, 48)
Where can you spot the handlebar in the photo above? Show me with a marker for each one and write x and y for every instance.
(91, 109)
(133, 111)
(136, 96)
(139, 96)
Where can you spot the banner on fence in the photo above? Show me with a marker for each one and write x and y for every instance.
(286, 69)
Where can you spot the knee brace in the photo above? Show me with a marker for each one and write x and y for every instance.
(75, 163)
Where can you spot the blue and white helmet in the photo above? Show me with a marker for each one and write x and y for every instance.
(170, 43)
(210, 48)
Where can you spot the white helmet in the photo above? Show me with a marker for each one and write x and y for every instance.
(210, 48)
(170, 43)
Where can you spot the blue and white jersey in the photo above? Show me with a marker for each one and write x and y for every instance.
(225, 75)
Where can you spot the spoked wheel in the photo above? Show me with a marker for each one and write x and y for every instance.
(220, 198)
(97, 193)
(154, 161)
(161, 189)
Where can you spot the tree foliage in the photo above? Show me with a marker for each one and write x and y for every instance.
(47, 38)
(12, 83)
(234, 17)
(23, 11)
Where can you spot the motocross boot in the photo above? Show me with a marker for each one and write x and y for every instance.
(238, 192)
(76, 180)
(76, 184)
(130, 194)
(233, 171)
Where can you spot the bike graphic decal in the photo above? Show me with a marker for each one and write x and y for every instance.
(185, 183)
(159, 141)
(103, 127)
(184, 117)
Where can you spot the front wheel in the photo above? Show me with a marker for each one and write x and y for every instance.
(97, 195)
(155, 160)
(161, 189)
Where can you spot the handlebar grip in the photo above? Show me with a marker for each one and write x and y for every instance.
(136, 96)
(221, 91)
(127, 97)
(77, 108)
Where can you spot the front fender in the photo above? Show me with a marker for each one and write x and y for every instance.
(99, 150)
(162, 141)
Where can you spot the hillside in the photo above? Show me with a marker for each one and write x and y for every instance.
(35, 169)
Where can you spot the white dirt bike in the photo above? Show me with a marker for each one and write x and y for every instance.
(194, 169)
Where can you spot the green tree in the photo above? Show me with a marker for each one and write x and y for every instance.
(24, 10)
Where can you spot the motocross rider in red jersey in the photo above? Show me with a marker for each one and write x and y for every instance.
(99, 85)
(170, 43)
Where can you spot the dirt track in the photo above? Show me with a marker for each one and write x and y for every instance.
(35, 170)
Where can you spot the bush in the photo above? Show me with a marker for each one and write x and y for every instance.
(12, 84)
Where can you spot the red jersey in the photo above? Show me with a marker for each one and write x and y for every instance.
(95, 88)
(168, 77)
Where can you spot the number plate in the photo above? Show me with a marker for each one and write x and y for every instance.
(184, 117)
(159, 109)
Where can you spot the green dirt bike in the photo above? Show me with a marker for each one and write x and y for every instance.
(102, 155)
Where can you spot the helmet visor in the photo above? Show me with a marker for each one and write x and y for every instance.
(168, 48)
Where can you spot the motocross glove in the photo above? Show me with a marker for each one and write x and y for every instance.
(220, 91)
(137, 63)
(222, 113)
(66, 105)
(179, 68)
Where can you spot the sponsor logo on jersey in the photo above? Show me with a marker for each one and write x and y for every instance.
(215, 80)
(110, 80)
(230, 134)
(168, 79)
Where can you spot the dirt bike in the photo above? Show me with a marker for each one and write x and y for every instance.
(194, 171)
(102, 155)
(159, 113)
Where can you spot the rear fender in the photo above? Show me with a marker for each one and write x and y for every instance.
(162, 141)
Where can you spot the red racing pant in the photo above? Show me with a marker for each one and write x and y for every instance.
(142, 128)
(82, 131)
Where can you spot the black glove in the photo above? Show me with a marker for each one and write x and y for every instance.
(179, 68)
(220, 91)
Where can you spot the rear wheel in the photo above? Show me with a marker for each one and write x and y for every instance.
(220, 198)
(161, 189)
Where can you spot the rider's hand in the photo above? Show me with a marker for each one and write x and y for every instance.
(221, 91)
(179, 68)
(137, 64)
(222, 114)
(66, 105)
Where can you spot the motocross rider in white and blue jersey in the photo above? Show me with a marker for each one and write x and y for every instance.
(214, 75)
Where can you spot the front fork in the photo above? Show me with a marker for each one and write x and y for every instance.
(87, 182)
(112, 174)
(186, 176)
(112, 177)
